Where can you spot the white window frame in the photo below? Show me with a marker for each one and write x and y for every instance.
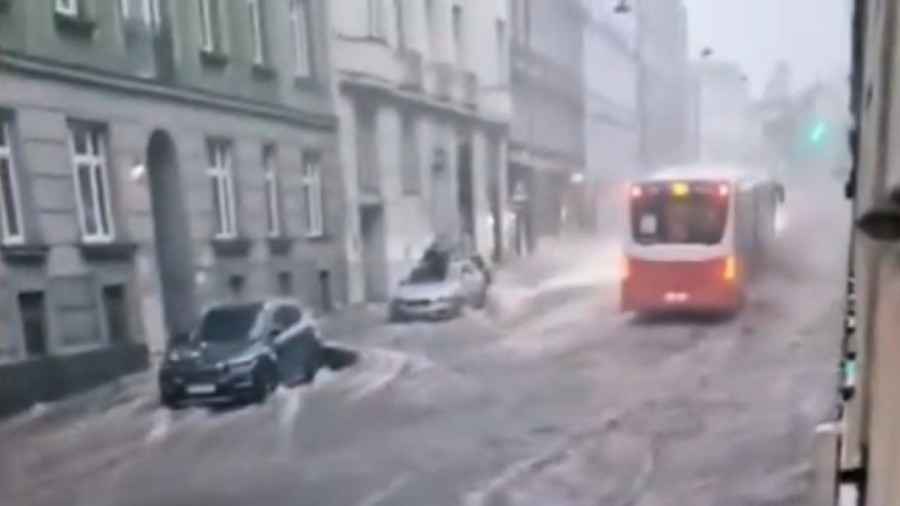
(376, 19)
(300, 32)
(501, 34)
(67, 7)
(95, 159)
(256, 32)
(149, 11)
(7, 154)
(458, 30)
(207, 35)
(222, 175)
(272, 191)
(312, 193)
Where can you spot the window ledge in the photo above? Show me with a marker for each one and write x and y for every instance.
(74, 24)
(108, 250)
(264, 71)
(214, 57)
(317, 237)
(281, 245)
(25, 253)
(306, 82)
(235, 247)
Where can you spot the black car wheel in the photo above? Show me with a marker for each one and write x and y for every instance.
(169, 400)
(265, 381)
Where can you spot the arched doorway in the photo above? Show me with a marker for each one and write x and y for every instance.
(172, 241)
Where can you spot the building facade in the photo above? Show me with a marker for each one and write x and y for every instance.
(546, 148)
(726, 115)
(422, 97)
(156, 156)
(664, 81)
(611, 109)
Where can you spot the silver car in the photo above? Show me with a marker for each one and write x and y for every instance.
(426, 295)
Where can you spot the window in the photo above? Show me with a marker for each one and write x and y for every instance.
(67, 7)
(256, 30)
(115, 304)
(211, 36)
(502, 51)
(270, 173)
(88, 145)
(410, 157)
(312, 193)
(299, 17)
(222, 185)
(10, 210)
(32, 309)
(286, 283)
(431, 26)
(146, 11)
(375, 10)
(400, 20)
(458, 39)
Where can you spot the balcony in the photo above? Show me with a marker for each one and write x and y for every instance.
(150, 49)
(469, 89)
(365, 58)
(496, 102)
(412, 70)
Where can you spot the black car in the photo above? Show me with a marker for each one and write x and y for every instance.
(242, 351)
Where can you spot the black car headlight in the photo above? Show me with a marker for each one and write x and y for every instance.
(241, 366)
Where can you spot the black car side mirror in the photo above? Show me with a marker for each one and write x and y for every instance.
(180, 338)
(275, 332)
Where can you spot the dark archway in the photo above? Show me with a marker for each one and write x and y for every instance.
(172, 234)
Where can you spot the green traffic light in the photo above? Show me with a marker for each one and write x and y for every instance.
(817, 134)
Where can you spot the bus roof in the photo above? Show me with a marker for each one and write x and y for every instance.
(710, 172)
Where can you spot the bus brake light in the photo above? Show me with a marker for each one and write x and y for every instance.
(636, 192)
(723, 190)
(730, 272)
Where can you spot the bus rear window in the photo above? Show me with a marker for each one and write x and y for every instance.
(662, 217)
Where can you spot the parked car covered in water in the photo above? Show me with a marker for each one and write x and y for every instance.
(242, 351)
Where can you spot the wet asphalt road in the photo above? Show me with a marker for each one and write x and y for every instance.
(548, 398)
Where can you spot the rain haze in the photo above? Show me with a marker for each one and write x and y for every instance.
(420, 252)
(813, 36)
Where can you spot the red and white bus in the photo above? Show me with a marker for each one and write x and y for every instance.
(695, 236)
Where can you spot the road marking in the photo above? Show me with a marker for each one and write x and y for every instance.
(381, 495)
(162, 422)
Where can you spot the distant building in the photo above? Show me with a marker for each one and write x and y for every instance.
(546, 146)
(663, 87)
(424, 110)
(612, 127)
(726, 128)
(157, 155)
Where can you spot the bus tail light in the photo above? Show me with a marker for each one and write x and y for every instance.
(730, 272)
(636, 192)
(723, 190)
(624, 267)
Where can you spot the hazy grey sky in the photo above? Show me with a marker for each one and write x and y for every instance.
(813, 36)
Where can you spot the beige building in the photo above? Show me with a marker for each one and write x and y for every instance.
(422, 99)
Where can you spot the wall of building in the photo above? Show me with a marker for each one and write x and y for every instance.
(373, 72)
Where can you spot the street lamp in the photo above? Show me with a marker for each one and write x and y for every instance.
(623, 7)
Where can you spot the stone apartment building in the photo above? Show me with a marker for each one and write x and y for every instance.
(422, 99)
(546, 146)
(612, 129)
(155, 156)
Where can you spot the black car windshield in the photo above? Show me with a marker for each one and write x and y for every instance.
(229, 323)
(425, 274)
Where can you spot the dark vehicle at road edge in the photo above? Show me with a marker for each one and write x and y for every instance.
(241, 352)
